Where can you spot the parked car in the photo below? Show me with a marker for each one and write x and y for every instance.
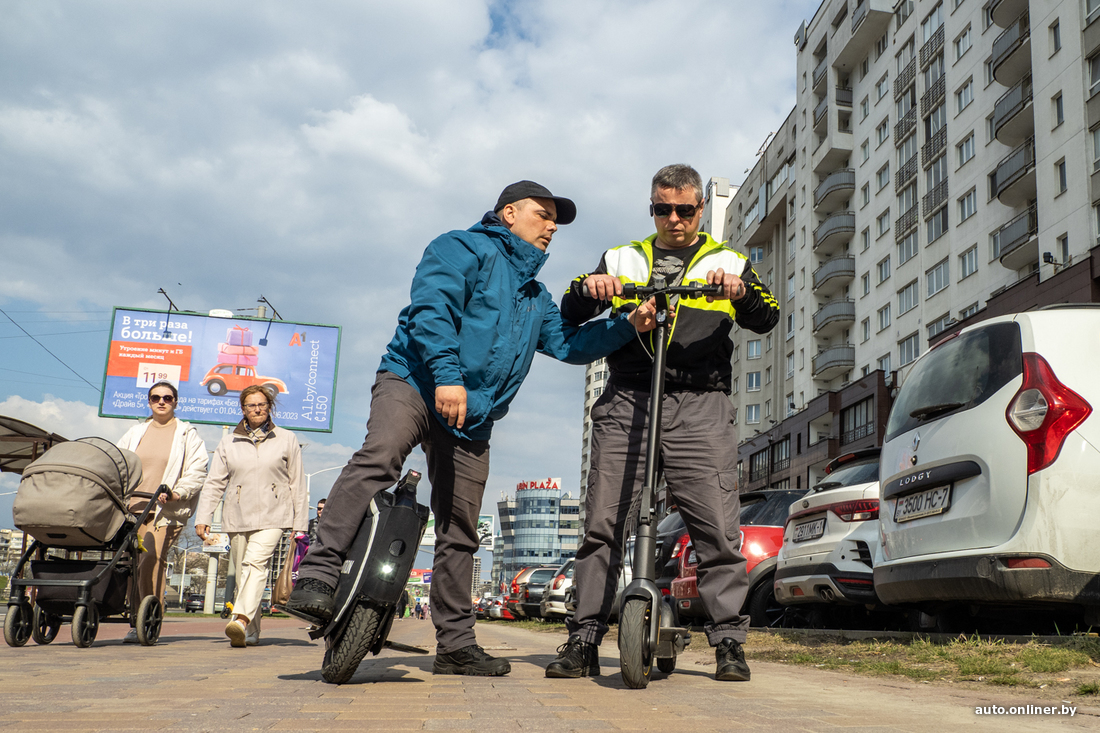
(989, 471)
(195, 602)
(499, 609)
(553, 598)
(831, 537)
(532, 591)
(481, 607)
(224, 378)
(517, 596)
(763, 514)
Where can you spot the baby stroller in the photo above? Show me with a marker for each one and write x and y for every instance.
(74, 502)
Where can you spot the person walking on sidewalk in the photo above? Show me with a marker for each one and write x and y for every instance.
(172, 454)
(698, 433)
(258, 469)
(461, 351)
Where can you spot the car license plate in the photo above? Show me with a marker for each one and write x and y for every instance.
(809, 530)
(923, 504)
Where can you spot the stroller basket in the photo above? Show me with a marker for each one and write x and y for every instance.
(109, 594)
(75, 494)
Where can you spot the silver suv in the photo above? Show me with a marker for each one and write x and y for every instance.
(990, 470)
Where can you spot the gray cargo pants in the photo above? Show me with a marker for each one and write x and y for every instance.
(699, 455)
(457, 469)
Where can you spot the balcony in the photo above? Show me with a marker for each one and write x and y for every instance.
(835, 231)
(904, 125)
(1017, 242)
(935, 198)
(905, 173)
(933, 96)
(1013, 119)
(831, 362)
(844, 97)
(1013, 181)
(870, 19)
(821, 116)
(1004, 12)
(932, 47)
(1012, 52)
(821, 72)
(837, 187)
(833, 148)
(906, 222)
(905, 79)
(834, 275)
(834, 316)
(932, 149)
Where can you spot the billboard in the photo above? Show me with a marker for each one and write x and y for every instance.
(211, 359)
(485, 523)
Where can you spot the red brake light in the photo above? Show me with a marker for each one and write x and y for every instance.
(1019, 563)
(557, 582)
(857, 510)
(1043, 412)
(681, 543)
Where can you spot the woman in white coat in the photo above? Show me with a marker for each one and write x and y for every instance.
(258, 469)
(173, 454)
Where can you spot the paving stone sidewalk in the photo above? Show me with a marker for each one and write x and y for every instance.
(194, 681)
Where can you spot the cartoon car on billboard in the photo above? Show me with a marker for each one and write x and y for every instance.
(224, 378)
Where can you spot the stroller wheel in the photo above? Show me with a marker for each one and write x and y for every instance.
(85, 626)
(149, 617)
(17, 624)
(45, 626)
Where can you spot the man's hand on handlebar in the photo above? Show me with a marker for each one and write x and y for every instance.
(602, 287)
(733, 287)
(644, 317)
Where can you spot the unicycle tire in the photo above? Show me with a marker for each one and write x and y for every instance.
(635, 660)
(343, 657)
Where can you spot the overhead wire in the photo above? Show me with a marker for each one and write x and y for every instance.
(55, 356)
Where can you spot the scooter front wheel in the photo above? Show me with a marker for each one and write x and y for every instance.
(635, 659)
(344, 655)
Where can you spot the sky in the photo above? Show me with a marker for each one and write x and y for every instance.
(308, 152)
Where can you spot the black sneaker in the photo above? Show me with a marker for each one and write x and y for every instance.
(576, 658)
(311, 599)
(731, 662)
(470, 660)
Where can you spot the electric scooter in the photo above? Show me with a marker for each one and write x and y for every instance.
(647, 625)
(372, 578)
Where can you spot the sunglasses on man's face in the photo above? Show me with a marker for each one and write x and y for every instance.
(165, 398)
(684, 211)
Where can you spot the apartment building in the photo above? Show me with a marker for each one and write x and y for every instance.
(934, 171)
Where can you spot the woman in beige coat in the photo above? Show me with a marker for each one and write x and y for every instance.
(172, 454)
(258, 469)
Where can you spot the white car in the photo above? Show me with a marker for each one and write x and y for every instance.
(990, 471)
(831, 537)
(553, 598)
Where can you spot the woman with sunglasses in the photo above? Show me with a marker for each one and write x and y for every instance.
(258, 469)
(173, 454)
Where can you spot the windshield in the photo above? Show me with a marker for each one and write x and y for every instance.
(956, 376)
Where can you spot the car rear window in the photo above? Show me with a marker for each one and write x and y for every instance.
(772, 511)
(960, 374)
(852, 474)
(671, 523)
(543, 575)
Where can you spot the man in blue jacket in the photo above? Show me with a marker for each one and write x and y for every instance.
(462, 349)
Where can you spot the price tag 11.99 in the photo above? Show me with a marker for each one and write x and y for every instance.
(150, 374)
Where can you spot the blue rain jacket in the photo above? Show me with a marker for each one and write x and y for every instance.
(477, 317)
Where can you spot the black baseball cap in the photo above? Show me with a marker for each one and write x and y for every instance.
(567, 210)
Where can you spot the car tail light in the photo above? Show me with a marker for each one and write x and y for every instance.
(1043, 412)
(557, 582)
(855, 581)
(796, 591)
(681, 543)
(857, 510)
(1020, 563)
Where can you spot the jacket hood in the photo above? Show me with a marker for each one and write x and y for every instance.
(525, 257)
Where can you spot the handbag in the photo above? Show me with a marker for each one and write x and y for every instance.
(284, 584)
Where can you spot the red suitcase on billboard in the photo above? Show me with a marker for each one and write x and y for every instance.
(238, 336)
(238, 350)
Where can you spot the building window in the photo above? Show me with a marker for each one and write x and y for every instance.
(907, 199)
(864, 108)
(907, 248)
(965, 95)
(1092, 10)
(881, 45)
(909, 349)
(865, 239)
(865, 194)
(857, 421)
(884, 270)
(790, 410)
(1063, 249)
(752, 414)
(968, 311)
(1096, 149)
(938, 277)
(790, 286)
(884, 363)
(865, 326)
(968, 204)
(907, 149)
(790, 326)
(963, 42)
(931, 23)
(883, 222)
(752, 349)
(968, 262)
(937, 225)
(865, 150)
(767, 408)
(966, 149)
(756, 254)
(790, 365)
(768, 375)
(908, 298)
(1055, 38)
(1060, 175)
(865, 281)
(939, 325)
(884, 317)
(1094, 74)
(735, 385)
(882, 177)
(882, 132)
(1057, 110)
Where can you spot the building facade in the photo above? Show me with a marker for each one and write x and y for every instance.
(539, 526)
(937, 169)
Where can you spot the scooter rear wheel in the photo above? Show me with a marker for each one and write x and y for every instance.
(635, 659)
(343, 657)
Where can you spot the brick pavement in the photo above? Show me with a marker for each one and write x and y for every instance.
(194, 681)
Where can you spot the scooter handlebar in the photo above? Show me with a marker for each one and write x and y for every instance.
(644, 292)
